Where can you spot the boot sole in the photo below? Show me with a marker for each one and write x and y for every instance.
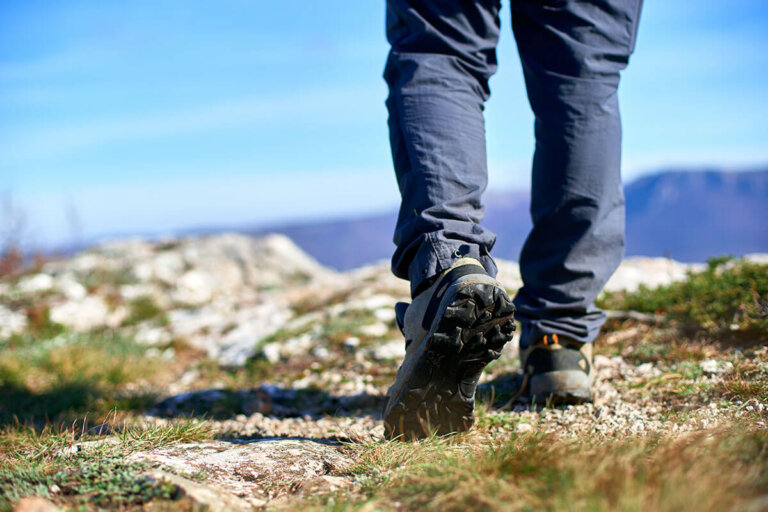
(438, 394)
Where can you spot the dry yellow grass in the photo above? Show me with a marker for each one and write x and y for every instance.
(724, 469)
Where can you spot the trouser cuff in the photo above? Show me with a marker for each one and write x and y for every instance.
(579, 330)
(435, 256)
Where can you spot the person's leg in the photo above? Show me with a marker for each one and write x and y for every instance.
(572, 52)
(442, 55)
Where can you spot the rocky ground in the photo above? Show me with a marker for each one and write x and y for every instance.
(285, 364)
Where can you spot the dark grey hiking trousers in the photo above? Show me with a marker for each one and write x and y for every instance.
(442, 55)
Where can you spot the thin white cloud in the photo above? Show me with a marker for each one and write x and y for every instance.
(316, 106)
(220, 198)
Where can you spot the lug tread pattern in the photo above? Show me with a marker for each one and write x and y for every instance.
(440, 396)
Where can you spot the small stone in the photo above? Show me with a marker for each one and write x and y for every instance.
(324, 484)
(321, 352)
(68, 450)
(271, 352)
(645, 369)
(70, 287)
(384, 314)
(352, 343)
(389, 351)
(711, 366)
(153, 336)
(35, 504)
(523, 427)
(374, 330)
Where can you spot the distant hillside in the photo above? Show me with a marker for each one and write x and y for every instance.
(689, 216)
(343, 244)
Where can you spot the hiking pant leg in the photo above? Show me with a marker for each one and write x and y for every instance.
(572, 52)
(442, 55)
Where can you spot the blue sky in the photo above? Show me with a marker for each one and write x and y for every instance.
(152, 116)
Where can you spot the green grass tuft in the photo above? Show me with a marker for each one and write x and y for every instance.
(544, 472)
(152, 436)
(94, 474)
(69, 375)
(143, 309)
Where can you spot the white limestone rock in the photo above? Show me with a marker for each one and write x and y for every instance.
(194, 288)
(11, 322)
(152, 336)
(376, 330)
(509, 275)
(387, 351)
(206, 497)
(287, 349)
(68, 285)
(255, 471)
(83, 315)
(36, 283)
(165, 267)
(651, 272)
(227, 331)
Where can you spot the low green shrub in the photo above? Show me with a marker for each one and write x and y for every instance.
(727, 295)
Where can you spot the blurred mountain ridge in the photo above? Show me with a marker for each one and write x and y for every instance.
(687, 215)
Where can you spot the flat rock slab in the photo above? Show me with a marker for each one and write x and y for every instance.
(207, 497)
(256, 471)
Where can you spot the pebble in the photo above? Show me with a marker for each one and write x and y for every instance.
(523, 427)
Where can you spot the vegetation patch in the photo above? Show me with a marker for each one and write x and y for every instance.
(67, 376)
(144, 309)
(337, 330)
(747, 380)
(102, 277)
(95, 474)
(319, 302)
(40, 324)
(738, 378)
(256, 371)
(728, 296)
(101, 481)
(153, 436)
(544, 472)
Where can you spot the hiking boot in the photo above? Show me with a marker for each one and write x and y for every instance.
(453, 330)
(558, 371)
